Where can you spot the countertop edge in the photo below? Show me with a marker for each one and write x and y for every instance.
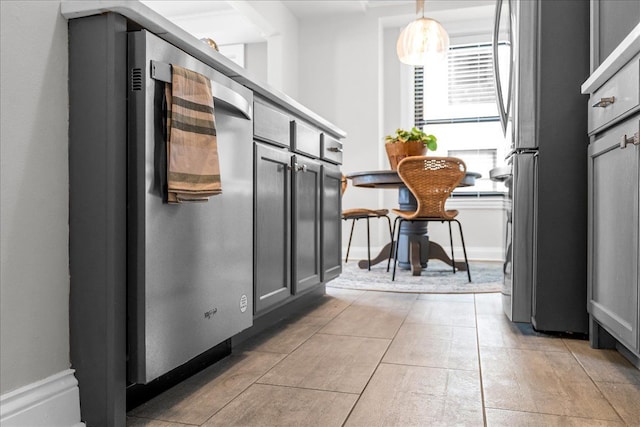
(622, 54)
(165, 29)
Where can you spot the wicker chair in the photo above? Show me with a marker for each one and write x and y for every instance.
(431, 181)
(356, 214)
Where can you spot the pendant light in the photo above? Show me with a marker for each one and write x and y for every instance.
(422, 41)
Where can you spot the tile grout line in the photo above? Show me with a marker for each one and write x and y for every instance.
(595, 383)
(280, 361)
(379, 362)
(164, 421)
(475, 315)
(301, 344)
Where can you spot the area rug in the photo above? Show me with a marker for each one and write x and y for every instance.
(437, 278)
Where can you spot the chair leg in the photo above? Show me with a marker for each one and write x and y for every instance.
(453, 260)
(353, 223)
(390, 231)
(395, 251)
(368, 246)
(393, 243)
(464, 249)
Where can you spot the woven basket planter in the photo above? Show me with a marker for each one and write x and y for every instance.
(397, 151)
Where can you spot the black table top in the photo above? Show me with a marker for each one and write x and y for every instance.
(391, 179)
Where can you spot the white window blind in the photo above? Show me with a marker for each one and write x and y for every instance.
(471, 76)
(460, 90)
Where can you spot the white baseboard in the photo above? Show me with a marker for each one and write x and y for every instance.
(474, 253)
(51, 402)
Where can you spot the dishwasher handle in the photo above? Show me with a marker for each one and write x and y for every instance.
(230, 98)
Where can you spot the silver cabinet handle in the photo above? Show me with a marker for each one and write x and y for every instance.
(496, 71)
(302, 167)
(633, 139)
(604, 102)
(335, 149)
(162, 71)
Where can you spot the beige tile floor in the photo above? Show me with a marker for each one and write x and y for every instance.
(384, 359)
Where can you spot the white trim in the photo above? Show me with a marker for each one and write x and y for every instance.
(480, 253)
(476, 203)
(51, 402)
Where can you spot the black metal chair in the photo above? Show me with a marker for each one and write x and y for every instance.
(356, 214)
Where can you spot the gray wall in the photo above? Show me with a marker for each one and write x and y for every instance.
(34, 232)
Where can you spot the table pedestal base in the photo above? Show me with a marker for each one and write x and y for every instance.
(435, 251)
(413, 237)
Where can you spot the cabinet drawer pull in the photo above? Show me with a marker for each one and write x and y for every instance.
(280, 168)
(335, 149)
(605, 102)
(633, 139)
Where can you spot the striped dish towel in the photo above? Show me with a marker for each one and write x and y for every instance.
(193, 170)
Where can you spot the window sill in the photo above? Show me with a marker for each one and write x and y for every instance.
(478, 201)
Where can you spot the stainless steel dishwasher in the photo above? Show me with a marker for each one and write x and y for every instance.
(190, 274)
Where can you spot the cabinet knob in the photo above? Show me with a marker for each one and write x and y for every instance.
(633, 139)
(302, 167)
(605, 102)
(335, 149)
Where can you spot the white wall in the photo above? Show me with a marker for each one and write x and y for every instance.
(350, 74)
(35, 193)
(280, 28)
(255, 60)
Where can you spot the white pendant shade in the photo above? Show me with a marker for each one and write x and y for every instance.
(422, 41)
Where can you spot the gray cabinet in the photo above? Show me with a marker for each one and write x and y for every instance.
(614, 193)
(306, 223)
(614, 178)
(272, 222)
(297, 209)
(331, 230)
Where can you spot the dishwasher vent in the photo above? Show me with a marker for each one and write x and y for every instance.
(136, 79)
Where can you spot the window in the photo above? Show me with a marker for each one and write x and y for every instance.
(455, 101)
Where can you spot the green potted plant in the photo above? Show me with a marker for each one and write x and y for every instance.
(406, 143)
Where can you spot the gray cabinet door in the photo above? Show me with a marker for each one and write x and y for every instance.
(331, 223)
(272, 222)
(306, 223)
(611, 22)
(613, 210)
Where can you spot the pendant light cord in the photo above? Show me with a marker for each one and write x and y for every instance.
(420, 7)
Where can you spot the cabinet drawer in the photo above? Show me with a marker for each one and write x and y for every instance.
(270, 125)
(617, 96)
(306, 140)
(612, 138)
(331, 149)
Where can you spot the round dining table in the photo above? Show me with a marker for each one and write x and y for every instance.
(413, 236)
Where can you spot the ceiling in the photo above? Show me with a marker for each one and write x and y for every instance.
(314, 8)
(225, 23)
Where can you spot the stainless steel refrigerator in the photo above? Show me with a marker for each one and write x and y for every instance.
(190, 266)
(538, 89)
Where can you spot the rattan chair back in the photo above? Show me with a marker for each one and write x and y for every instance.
(431, 180)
